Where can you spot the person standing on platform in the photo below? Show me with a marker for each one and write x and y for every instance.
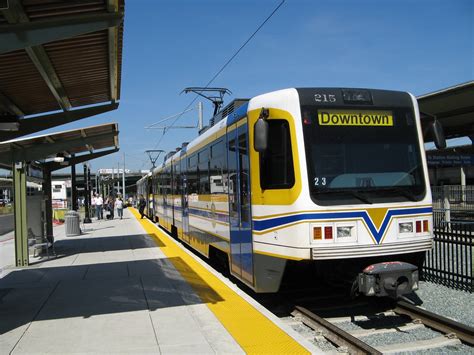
(141, 206)
(111, 206)
(93, 204)
(99, 202)
(119, 207)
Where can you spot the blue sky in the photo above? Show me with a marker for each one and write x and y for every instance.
(417, 46)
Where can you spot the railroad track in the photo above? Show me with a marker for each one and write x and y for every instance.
(409, 317)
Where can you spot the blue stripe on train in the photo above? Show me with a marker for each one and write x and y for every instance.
(222, 217)
(261, 225)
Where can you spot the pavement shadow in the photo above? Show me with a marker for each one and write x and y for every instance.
(86, 244)
(104, 288)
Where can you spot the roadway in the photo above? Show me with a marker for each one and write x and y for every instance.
(7, 224)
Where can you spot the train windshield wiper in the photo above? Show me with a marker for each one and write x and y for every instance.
(358, 195)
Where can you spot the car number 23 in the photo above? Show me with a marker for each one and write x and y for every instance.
(319, 181)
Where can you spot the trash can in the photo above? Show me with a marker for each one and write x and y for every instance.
(72, 220)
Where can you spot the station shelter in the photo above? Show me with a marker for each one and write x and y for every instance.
(60, 62)
(453, 108)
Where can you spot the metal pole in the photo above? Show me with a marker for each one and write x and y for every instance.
(118, 177)
(87, 218)
(48, 204)
(463, 184)
(111, 184)
(73, 187)
(199, 115)
(123, 178)
(89, 182)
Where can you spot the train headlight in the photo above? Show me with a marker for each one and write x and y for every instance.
(344, 232)
(405, 227)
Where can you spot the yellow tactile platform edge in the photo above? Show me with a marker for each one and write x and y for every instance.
(254, 332)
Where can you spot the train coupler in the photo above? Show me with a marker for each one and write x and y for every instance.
(392, 279)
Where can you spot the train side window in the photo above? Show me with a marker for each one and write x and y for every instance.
(276, 163)
(203, 171)
(204, 156)
(217, 169)
(217, 149)
(192, 175)
(192, 161)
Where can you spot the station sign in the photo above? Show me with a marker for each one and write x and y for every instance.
(450, 160)
(34, 171)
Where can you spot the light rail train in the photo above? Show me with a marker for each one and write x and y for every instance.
(316, 181)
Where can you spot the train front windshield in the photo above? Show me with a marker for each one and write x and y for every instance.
(362, 155)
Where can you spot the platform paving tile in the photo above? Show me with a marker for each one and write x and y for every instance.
(17, 309)
(107, 270)
(110, 290)
(111, 333)
(58, 273)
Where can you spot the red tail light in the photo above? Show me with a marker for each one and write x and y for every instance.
(418, 226)
(327, 232)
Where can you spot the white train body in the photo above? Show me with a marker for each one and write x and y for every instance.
(342, 184)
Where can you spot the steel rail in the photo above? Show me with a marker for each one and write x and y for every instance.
(335, 334)
(445, 325)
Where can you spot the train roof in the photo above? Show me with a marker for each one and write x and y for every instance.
(235, 110)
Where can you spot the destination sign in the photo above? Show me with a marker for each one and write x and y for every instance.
(355, 118)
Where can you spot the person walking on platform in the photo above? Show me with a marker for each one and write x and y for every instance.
(141, 206)
(119, 207)
(110, 206)
(99, 203)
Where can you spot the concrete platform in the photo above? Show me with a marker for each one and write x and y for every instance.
(126, 287)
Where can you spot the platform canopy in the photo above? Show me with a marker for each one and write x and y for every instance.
(57, 58)
(453, 107)
(75, 146)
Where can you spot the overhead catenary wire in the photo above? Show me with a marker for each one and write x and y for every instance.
(221, 69)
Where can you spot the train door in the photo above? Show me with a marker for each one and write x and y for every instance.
(169, 199)
(164, 222)
(177, 199)
(173, 193)
(184, 199)
(239, 203)
(149, 197)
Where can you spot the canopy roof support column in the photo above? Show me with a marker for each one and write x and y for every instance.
(47, 193)
(87, 218)
(73, 188)
(21, 225)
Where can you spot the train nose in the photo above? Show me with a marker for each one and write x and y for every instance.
(392, 279)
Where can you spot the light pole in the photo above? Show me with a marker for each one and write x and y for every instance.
(87, 218)
(123, 178)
